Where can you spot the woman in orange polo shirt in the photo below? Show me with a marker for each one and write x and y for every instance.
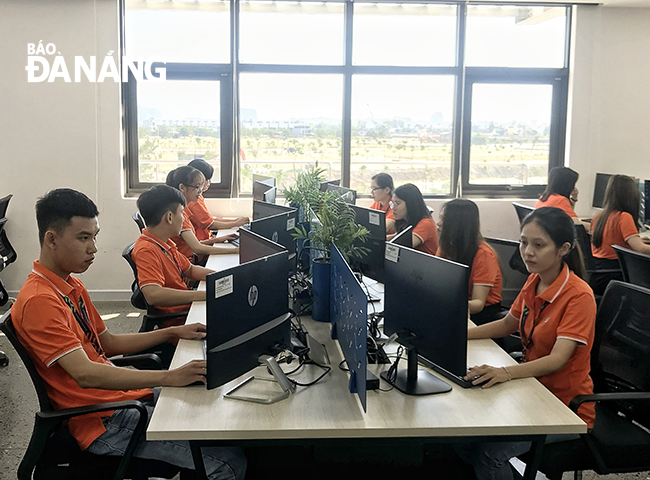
(555, 315)
(410, 210)
(561, 191)
(615, 225)
(190, 182)
(381, 190)
(460, 239)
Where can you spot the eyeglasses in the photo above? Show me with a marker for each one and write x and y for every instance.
(372, 189)
(198, 187)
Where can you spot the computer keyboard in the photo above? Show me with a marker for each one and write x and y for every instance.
(234, 241)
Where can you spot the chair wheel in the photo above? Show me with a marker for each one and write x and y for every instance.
(4, 360)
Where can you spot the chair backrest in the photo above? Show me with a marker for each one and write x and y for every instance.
(522, 210)
(582, 237)
(4, 203)
(510, 262)
(8, 329)
(137, 297)
(635, 266)
(137, 218)
(7, 253)
(620, 359)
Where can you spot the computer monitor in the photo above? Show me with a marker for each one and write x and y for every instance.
(425, 304)
(323, 185)
(247, 317)
(253, 246)
(260, 188)
(270, 181)
(404, 238)
(278, 228)
(371, 264)
(646, 201)
(348, 195)
(599, 189)
(349, 317)
(264, 209)
(269, 195)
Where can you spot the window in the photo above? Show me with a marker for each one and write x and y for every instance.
(454, 97)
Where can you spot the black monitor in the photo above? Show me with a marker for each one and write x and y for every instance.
(260, 188)
(371, 264)
(348, 195)
(323, 185)
(264, 209)
(253, 246)
(599, 189)
(270, 181)
(349, 317)
(269, 195)
(425, 304)
(247, 317)
(278, 228)
(404, 238)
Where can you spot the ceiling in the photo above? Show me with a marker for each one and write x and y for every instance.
(625, 3)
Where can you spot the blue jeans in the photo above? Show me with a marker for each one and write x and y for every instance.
(221, 463)
(491, 460)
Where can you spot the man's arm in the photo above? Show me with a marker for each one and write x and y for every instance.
(197, 272)
(90, 374)
(136, 342)
(159, 296)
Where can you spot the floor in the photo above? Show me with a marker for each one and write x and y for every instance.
(18, 399)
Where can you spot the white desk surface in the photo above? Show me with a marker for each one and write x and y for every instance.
(329, 410)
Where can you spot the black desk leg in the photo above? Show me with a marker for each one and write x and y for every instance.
(537, 449)
(199, 466)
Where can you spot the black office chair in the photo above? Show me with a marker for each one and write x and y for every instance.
(620, 368)
(7, 256)
(4, 203)
(635, 266)
(513, 269)
(137, 218)
(54, 454)
(522, 210)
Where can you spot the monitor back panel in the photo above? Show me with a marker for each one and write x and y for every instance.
(278, 228)
(372, 264)
(253, 246)
(264, 209)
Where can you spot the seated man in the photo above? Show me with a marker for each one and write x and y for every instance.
(162, 269)
(70, 345)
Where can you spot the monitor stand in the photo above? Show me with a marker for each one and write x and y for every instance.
(279, 377)
(412, 381)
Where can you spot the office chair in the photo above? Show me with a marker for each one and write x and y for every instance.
(635, 266)
(54, 454)
(513, 269)
(4, 203)
(620, 369)
(522, 210)
(137, 218)
(7, 256)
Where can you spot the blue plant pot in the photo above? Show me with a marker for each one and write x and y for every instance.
(320, 310)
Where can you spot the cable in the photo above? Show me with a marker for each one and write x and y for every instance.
(311, 362)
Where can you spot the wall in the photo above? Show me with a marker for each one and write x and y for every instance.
(68, 134)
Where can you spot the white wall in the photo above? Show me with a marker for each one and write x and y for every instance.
(68, 135)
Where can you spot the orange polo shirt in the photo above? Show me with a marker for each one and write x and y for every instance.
(181, 244)
(570, 313)
(200, 217)
(426, 231)
(48, 330)
(619, 228)
(558, 201)
(486, 272)
(387, 209)
(160, 263)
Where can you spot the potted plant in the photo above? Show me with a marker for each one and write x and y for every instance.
(336, 225)
(304, 192)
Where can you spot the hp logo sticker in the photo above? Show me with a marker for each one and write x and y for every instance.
(253, 295)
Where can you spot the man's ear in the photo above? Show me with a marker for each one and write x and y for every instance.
(169, 217)
(51, 239)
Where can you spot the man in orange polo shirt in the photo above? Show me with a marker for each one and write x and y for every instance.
(69, 344)
(162, 269)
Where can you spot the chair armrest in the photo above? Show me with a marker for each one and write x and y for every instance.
(166, 316)
(608, 270)
(578, 400)
(47, 421)
(142, 361)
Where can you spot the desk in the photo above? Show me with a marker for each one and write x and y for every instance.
(521, 408)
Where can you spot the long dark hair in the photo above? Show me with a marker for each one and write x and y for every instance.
(185, 175)
(560, 227)
(621, 195)
(416, 209)
(561, 181)
(461, 231)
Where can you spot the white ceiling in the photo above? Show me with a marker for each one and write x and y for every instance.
(625, 3)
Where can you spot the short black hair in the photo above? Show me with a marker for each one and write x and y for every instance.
(55, 209)
(157, 201)
(383, 180)
(202, 166)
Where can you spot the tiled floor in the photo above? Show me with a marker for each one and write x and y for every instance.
(18, 399)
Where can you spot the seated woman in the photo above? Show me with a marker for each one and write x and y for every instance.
(555, 315)
(615, 225)
(561, 192)
(199, 214)
(381, 190)
(410, 210)
(460, 239)
(190, 182)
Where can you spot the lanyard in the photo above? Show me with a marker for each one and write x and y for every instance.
(180, 271)
(84, 323)
(527, 340)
